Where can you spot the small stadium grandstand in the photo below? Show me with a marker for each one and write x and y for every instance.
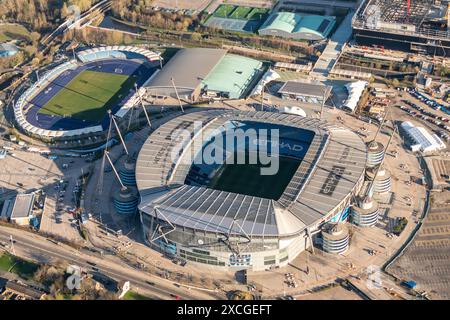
(73, 99)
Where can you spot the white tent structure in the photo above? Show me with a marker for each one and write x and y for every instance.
(421, 139)
(355, 90)
(269, 76)
(293, 110)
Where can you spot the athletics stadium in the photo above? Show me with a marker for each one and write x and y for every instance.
(230, 215)
(73, 98)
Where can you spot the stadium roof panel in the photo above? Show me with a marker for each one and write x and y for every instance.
(331, 171)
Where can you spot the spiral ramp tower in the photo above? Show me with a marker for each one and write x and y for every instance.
(365, 212)
(375, 154)
(126, 200)
(128, 173)
(335, 238)
(382, 182)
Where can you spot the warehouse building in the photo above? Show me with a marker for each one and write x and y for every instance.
(296, 26)
(203, 72)
(18, 210)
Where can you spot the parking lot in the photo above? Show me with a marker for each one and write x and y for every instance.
(427, 259)
(58, 217)
(429, 114)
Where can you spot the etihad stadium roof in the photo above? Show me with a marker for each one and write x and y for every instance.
(330, 172)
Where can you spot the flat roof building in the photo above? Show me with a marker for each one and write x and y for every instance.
(198, 70)
(19, 209)
(232, 76)
(25, 292)
(305, 92)
(297, 26)
(187, 69)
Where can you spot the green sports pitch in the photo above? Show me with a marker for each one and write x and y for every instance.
(89, 95)
(247, 179)
(229, 11)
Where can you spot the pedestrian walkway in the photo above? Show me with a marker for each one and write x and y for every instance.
(334, 47)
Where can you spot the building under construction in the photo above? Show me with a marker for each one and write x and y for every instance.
(419, 26)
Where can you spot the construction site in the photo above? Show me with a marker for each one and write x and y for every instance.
(408, 25)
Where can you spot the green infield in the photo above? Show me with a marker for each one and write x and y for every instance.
(89, 95)
(247, 178)
(23, 268)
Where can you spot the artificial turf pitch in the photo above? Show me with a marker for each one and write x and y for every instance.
(89, 95)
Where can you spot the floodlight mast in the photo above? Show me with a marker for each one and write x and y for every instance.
(114, 169)
(262, 97)
(102, 167)
(176, 92)
(142, 105)
(372, 183)
(381, 124)
(118, 131)
(323, 102)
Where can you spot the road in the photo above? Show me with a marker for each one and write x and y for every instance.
(70, 23)
(37, 248)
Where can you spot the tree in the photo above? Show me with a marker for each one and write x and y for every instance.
(395, 82)
(35, 36)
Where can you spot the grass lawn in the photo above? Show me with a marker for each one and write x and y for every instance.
(89, 95)
(130, 295)
(23, 268)
(13, 32)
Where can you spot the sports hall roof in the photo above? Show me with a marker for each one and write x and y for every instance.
(188, 68)
(290, 24)
(232, 74)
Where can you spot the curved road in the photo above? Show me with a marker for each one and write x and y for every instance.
(37, 248)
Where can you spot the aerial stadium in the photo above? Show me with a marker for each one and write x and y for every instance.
(73, 99)
(230, 215)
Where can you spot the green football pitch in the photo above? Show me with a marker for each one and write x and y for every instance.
(247, 179)
(89, 95)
